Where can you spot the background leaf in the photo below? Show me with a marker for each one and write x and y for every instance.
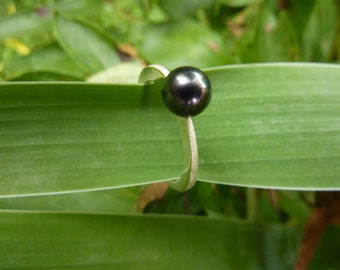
(181, 43)
(120, 73)
(52, 60)
(149, 242)
(105, 201)
(300, 12)
(180, 9)
(320, 32)
(29, 23)
(41, 19)
(87, 46)
(239, 3)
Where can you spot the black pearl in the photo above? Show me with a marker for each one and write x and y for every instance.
(186, 91)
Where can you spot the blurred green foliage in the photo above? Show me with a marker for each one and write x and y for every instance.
(203, 33)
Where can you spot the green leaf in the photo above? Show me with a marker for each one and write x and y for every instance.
(51, 60)
(239, 3)
(58, 137)
(300, 11)
(44, 76)
(320, 32)
(83, 241)
(273, 126)
(25, 24)
(183, 43)
(116, 201)
(178, 9)
(40, 20)
(275, 38)
(324, 256)
(121, 73)
(292, 203)
(86, 45)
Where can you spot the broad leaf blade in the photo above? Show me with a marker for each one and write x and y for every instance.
(141, 242)
(58, 137)
(273, 126)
